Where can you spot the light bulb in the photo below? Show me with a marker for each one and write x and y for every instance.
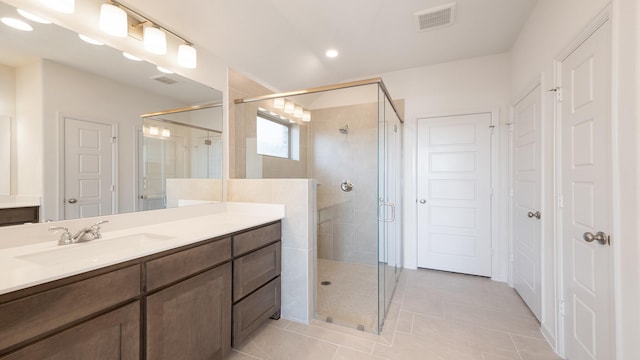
(154, 130)
(154, 40)
(289, 107)
(166, 132)
(297, 112)
(278, 103)
(187, 56)
(113, 20)
(63, 6)
(306, 116)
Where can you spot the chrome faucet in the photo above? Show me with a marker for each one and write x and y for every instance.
(86, 234)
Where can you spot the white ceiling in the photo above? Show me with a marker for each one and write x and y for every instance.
(282, 42)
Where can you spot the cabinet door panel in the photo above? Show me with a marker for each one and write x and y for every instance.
(191, 320)
(112, 336)
(253, 310)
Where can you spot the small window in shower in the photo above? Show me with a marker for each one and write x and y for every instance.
(272, 138)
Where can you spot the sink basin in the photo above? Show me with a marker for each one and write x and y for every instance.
(94, 251)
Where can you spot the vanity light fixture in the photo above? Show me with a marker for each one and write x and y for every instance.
(131, 57)
(306, 116)
(154, 40)
(113, 20)
(278, 103)
(89, 40)
(125, 20)
(166, 133)
(289, 107)
(297, 112)
(16, 24)
(32, 17)
(187, 56)
(63, 6)
(153, 130)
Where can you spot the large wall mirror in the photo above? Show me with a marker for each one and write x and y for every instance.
(76, 116)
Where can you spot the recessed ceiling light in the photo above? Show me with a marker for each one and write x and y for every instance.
(89, 40)
(164, 70)
(16, 24)
(32, 17)
(131, 57)
(331, 53)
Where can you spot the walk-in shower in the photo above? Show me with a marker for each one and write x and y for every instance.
(348, 138)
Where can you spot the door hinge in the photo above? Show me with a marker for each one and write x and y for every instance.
(561, 308)
(558, 91)
(113, 139)
(560, 200)
(113, 188)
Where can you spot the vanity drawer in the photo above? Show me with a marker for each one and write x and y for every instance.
(252, 311)
(40, 313)
(255, 269)
(255, 239)
(174, 267)
(20, 215)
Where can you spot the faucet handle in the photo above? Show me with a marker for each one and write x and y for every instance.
(95, 229)
(65, 237)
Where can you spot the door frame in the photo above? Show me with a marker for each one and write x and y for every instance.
(595, 24)
(499, 258)
(61, 155)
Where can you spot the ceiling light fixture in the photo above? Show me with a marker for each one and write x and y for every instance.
(154, 35)
(289, 107)
(16, 24)
(131, 57)
(63, 6)
(113, 20)
(331, 53)
(89, 40)
(32, 17)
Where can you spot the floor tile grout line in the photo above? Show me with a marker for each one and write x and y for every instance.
(515, 346)
(247, 354)
(326, 341)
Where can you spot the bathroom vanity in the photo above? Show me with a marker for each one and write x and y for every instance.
(191, 300)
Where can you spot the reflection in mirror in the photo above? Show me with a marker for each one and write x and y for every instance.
(180, 161)
(5, 157)
(52, 84)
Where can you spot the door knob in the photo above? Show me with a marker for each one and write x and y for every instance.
(423, 201)
(600, 237)
(73, 201)
(536, 215)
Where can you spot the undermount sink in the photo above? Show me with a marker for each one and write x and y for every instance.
(93, 251)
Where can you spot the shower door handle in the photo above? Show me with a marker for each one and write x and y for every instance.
(393, 212)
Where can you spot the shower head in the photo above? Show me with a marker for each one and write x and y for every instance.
(344, 129)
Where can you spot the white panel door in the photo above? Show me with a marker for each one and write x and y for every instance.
(454, 193)
(88, 173)
(527, 243)
(586, 190)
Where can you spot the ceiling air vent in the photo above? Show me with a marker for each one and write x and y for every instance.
(167, 80)
(436, 17)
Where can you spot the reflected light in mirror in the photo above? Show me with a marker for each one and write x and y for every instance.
(166, 133)
(297, 112)
(154, 130)
(16, 24)
(89, 40)
(32, 17)
(306, 116)
(278, 103)
(113, 20)
(164, 70)
(131, 57)
(289, 107)
(63, 6)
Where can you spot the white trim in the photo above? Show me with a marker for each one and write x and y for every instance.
(590, 29)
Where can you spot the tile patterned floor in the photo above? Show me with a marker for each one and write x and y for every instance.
(435, 315)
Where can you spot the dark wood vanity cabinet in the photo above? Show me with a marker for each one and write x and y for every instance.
(188, 303)
(19, 215)
(256, 279)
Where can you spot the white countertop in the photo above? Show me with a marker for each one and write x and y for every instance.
(18, 273)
